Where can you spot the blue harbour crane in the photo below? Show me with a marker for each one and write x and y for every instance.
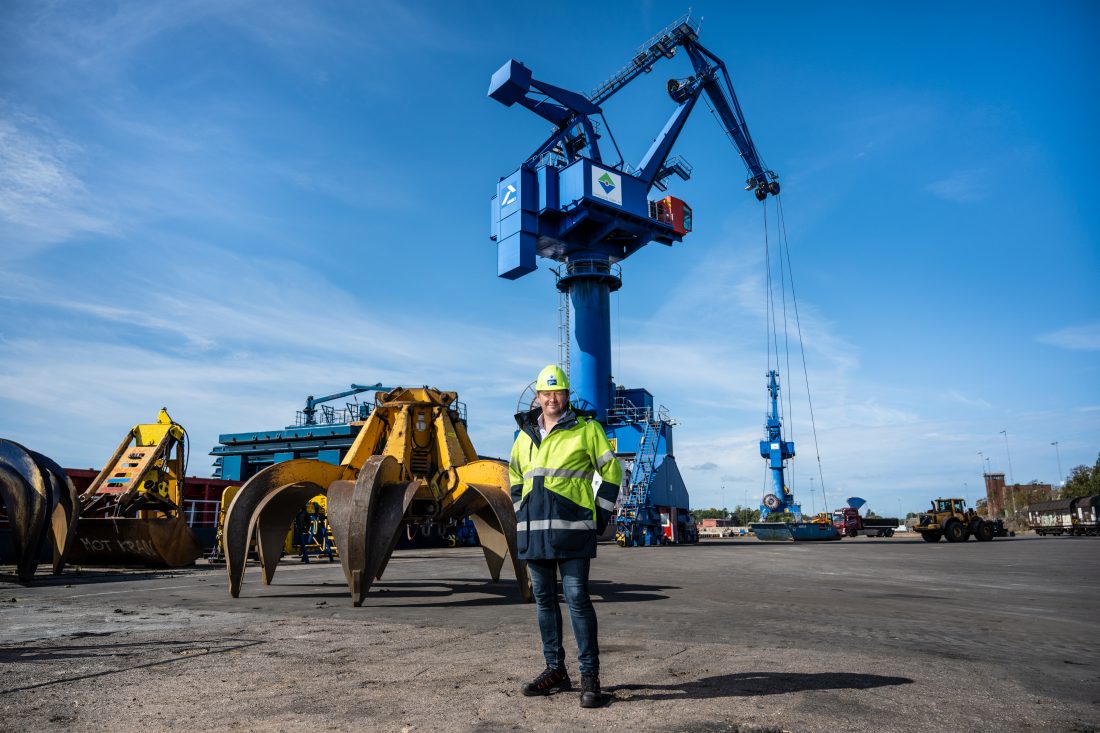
(777, 451)
(577, 204)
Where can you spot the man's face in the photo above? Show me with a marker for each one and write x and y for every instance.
(553, 402)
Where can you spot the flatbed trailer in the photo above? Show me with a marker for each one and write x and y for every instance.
(850, 524)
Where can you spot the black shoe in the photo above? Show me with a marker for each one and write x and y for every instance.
(551, 680)
(591, 694)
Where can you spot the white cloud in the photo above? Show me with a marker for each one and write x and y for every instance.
(961, 187)
(967, 400)
(1085, 337)
(42, 199)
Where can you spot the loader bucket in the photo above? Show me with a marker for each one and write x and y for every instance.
(134, 541)
(772, 531)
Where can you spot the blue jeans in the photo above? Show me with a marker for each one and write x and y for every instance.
(574, 582)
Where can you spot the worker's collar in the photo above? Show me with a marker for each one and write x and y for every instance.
(530, 419)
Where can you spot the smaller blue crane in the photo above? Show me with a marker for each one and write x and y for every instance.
(777, 451)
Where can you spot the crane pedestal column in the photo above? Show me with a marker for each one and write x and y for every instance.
(589, 282)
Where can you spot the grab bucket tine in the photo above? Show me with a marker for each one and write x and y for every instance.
(241, 516)
(495, 520)
(339, 510)
(27, 497)
(367, 518)
(25, 512)
(66, 509)
(385, 523)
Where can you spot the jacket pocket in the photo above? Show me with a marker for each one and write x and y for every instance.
(567, 512)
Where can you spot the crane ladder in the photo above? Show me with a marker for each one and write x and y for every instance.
(641, 476)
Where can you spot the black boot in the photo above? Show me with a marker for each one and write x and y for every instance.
(591, 694)
(551, 680)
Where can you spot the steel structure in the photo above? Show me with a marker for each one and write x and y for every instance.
(777, 451)
(570, 203)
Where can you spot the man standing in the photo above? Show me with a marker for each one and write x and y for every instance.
(558, 516)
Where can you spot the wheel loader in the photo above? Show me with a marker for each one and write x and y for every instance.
(950, 519)
(132, 512)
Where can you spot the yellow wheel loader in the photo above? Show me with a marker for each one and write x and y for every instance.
(951, 520)
(132, 513)
(411, 464)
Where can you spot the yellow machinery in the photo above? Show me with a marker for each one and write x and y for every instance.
(132, 511)
(317, 536)
(41, 504)
(412, 463)
(951, 520)
(309, 533)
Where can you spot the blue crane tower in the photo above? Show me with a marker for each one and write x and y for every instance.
(777, 451)
(570, 203)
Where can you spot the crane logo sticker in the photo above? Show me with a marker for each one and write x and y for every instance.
(607, 186)
(509, 196)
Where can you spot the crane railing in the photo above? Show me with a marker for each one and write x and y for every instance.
(662, 45)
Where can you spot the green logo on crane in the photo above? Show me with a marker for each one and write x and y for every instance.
(607, 183)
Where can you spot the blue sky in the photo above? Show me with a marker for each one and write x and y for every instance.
(222, 207)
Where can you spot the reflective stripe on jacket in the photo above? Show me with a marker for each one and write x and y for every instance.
(557, 514)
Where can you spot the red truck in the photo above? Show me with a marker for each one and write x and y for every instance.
(850, 524)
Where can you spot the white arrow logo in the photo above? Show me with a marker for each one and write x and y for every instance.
(509, 196)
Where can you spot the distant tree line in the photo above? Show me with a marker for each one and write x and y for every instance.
(1082, 481)
(740, 516)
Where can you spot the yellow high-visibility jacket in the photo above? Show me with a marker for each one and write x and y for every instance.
(557, 513)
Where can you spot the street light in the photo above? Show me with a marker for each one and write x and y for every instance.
(724, 513)
(1061, 478)
(1010, 476)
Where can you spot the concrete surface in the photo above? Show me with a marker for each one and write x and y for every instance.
(865, 634)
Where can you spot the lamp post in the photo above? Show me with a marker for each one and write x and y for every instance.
(1058, 455)
(725, 514)
(1010, 476)
(813, 497)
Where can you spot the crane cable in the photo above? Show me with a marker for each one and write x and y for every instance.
(771, 332)
(785, 252)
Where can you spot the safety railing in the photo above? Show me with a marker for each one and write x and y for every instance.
(664, 43)
(201, 512)
(329, 415)
(589, 267)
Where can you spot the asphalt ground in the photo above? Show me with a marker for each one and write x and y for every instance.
(859, 635)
